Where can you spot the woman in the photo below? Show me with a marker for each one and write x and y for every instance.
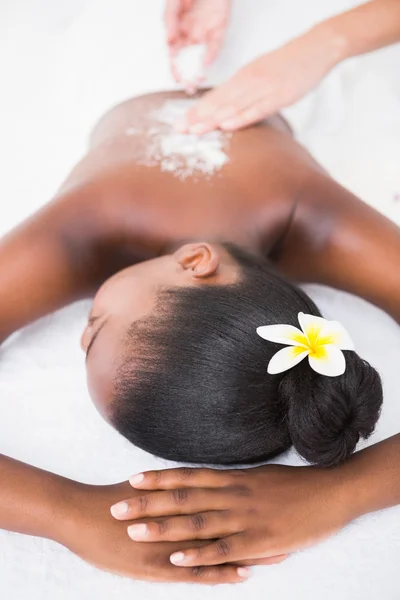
(279, 78)
(173, 359)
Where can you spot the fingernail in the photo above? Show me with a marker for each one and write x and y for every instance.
(243, 572)
(177, 558)
(136, 479)
(137, 532)
(119, 510)
(198, 129)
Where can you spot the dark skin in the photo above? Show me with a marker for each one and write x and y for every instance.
(112, 214)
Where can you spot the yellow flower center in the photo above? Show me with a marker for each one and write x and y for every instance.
(317, 352)
(315, 343)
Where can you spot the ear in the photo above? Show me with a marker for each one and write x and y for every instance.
(201, 259)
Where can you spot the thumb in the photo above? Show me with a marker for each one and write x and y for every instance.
(172, 16)
(212, 48)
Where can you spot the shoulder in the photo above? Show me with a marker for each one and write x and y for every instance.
(319, 208)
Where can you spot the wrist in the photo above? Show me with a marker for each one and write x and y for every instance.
(82, 505)
(67, 522)
(335, 491)
(354, 488)
(332, 41)
(32, 500)
(66, 498)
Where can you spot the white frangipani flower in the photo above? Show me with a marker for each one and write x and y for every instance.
(321, 340)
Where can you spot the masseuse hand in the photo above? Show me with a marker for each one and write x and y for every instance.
(88, 530)
(249, 514)
(195, 22)
(265, 86)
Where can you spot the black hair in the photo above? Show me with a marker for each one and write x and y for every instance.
(196, 387)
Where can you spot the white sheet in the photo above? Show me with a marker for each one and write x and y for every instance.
(62, 64)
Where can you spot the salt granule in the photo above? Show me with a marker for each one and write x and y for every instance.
(183, 155)
(189, 64)
(186, 153)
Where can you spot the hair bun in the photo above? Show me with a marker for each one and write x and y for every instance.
(328, 415)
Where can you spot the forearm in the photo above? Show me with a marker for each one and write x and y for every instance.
(32, 501)
(47, 262)
(372, 477)
(367, 27)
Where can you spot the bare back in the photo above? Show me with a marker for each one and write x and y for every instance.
(248, 201)
(114, 209)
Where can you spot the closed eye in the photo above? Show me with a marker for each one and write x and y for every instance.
(94, 336)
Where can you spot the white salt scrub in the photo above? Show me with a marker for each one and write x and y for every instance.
(184, 155)
(189, 64)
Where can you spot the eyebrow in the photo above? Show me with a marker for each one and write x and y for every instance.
(94, 338)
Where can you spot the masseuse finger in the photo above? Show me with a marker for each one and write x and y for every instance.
(178, 501)
(253, 114)
(251, 109)
(174, 70)
(251, 105)
(174, 50)
(201, 118)
(198, 526)
(227, 99)
(214, 43)
(167, 479)
(172, 15)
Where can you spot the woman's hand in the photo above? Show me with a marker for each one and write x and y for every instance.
(89, 531)
(250, 514)
(195, 22)
(266, 85)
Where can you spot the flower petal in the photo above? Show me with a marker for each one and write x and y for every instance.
(334, 333)
(328, 360)
(311, 326)
(283, 334)
(286, 359)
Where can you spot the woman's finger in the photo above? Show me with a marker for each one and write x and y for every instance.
(179, 501)
(229, 549)
(207, 575)
(198, 526)
(255, 562)
(167, 479)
